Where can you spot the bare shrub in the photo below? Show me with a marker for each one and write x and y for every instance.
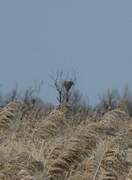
(108, 100)
(127, 100)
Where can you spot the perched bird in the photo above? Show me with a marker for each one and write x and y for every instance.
(68, 85)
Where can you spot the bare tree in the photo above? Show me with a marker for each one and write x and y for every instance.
(63, 85)
(109, 100)
(126, 99)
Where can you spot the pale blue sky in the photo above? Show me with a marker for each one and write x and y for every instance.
(91, 37)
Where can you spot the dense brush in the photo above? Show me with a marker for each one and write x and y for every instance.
(129, 176)
(54, 123)
(8, 115)
(55, 146)
(113, 164)
(78, 147)
(23, 162)
(114, 122)
(85, 170)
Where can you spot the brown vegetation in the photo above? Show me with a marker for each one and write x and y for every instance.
(37, 142)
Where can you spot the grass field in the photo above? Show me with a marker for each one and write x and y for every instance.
(55, 145)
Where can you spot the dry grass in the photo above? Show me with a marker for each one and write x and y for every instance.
(129, 176)
(52, 125)
(38, 146)
(8, 115)
(76, 149)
